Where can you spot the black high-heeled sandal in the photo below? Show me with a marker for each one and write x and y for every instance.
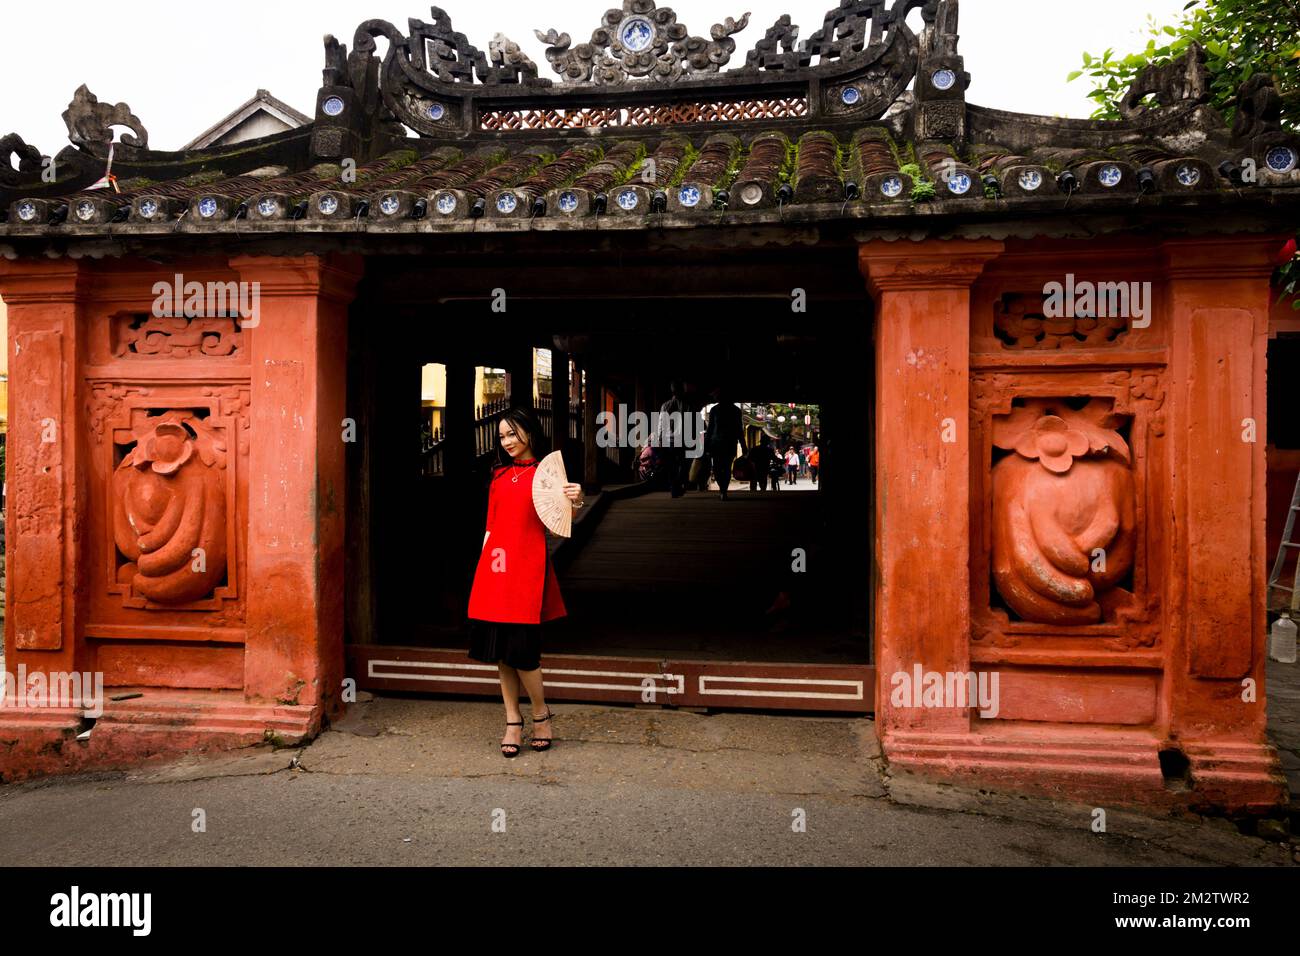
(515, 752)
(544, 741)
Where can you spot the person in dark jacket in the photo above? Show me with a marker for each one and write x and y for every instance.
(761, 458)
(778, 470)
(725, 431)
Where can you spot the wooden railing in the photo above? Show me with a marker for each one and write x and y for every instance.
(487, 422)
(543, 407)
(432, 441)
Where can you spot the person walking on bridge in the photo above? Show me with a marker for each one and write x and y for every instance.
(791, 465)
(725, 431)
(670, 437)
(761, 458)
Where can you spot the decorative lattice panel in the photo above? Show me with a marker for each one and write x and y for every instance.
(668, 115)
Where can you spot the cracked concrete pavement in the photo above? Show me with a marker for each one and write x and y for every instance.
(1283, 688)
(418, 781)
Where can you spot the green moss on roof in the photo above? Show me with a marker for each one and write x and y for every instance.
(203, 178)
(632, 168)
(733, 168)
(684, 167)
(789, 164)
(922, 185)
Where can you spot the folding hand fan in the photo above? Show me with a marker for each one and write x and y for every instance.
(555, 510)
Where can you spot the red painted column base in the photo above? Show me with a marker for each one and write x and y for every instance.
(158, 727)
(1106, 768)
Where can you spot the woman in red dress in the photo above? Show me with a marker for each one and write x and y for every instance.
(515, 591)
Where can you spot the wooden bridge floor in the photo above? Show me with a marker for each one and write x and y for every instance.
(695, 575)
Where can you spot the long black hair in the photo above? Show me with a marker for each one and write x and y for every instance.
(524, 423)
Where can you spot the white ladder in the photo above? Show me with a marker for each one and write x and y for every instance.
(1288, 543)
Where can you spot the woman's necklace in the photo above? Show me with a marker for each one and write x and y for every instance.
(514, 476)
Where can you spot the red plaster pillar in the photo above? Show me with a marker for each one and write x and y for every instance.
(922, 568)
(294, 652)
(46, 491)
(1217, 299)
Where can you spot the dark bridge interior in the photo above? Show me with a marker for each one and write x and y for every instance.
(644, 575)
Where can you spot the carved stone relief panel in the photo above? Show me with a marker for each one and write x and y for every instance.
(1064, 517)
(1063, 498)
(171, 497)
(169, 520)
(1027, 322)
(176, 337)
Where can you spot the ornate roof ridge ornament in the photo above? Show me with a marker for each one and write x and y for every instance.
(1171, 102)
(90, 122)
(442, 52)
(29, 159)
(851, 112)
(942, 80)
(436, 83)
(777, 50)
(641, 40)
(1183, 82)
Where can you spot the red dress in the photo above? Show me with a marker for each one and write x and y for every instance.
(515, 582)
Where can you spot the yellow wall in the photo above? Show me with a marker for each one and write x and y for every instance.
(433, 385)
(433, 393)
(433, 390)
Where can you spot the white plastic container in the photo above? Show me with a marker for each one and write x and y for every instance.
(1282, 640)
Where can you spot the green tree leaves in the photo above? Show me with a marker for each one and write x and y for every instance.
(1240, 37)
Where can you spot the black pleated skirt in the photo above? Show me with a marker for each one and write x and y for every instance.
(516, 645)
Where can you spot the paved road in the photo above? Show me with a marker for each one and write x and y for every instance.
(418, 781)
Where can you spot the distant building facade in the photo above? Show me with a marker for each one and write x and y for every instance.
(261, 116)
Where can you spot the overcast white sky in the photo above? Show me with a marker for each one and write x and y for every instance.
(182, 66)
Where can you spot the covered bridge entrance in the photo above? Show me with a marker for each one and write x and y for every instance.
(1037, 350)
(758, 601)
